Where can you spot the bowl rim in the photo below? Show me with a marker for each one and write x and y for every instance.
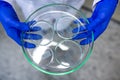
(59, 73)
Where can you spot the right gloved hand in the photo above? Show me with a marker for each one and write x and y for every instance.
(14, 28)
(98, 22)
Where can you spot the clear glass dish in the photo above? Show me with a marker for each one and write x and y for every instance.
(56, 53)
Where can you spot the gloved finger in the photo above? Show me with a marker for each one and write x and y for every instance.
(28, 45)
(31, 22)
(35, 28)
(25, 44)
(81, 35)
(32, 27)
(79, 29)
(31, 36)
(78, 21)
(86, 41)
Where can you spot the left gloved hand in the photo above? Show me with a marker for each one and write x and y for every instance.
(15, 28)
(99, 20)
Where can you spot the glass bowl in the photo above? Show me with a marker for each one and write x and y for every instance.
(57, 53)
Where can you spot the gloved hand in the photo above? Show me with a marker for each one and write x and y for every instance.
(14, 27)
(98, 22)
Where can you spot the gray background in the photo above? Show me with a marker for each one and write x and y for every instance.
(104, 63)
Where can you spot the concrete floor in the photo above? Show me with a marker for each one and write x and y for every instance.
(104, 63)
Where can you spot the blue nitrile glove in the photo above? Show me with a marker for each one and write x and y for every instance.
(14, 27)
(99, 20)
